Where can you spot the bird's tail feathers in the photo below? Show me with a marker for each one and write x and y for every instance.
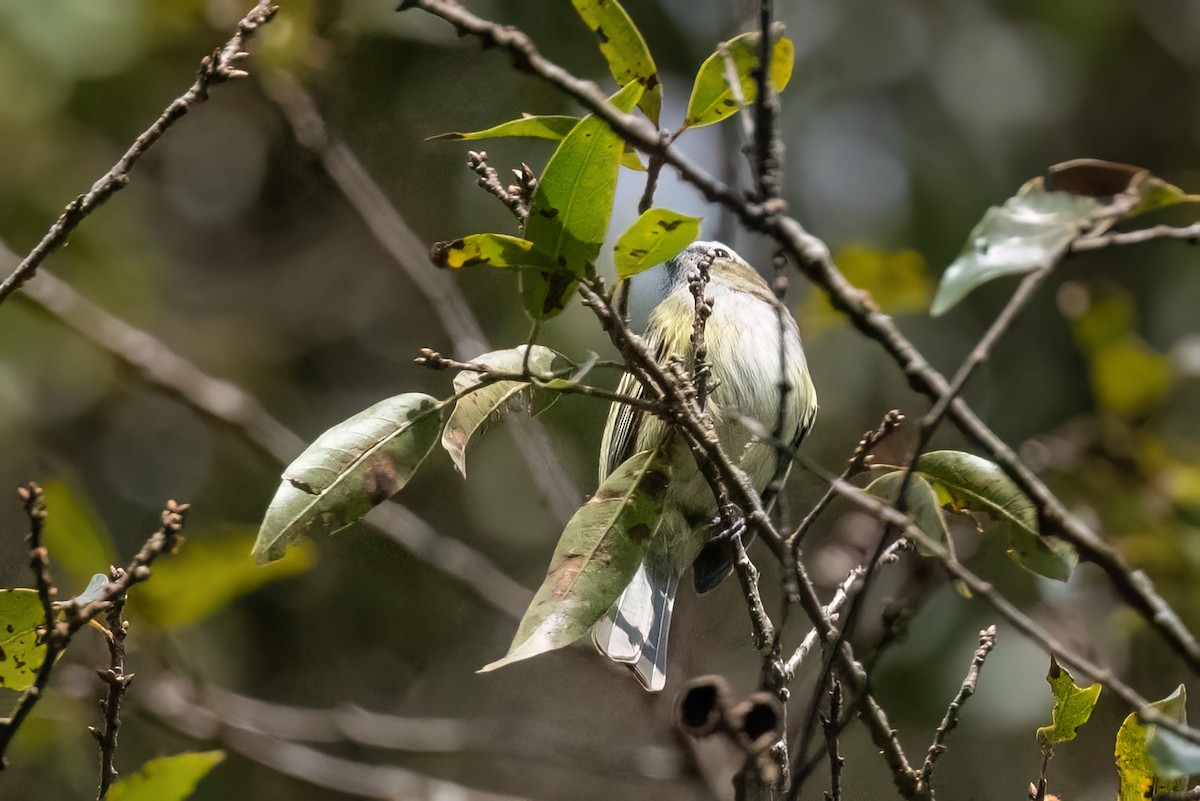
(636, 629)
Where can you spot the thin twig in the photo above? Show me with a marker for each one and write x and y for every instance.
(1191, 233)
(814, 260)
(829, 725)
(224, 64)
(516, 197)
(987, 641)
(118, 682)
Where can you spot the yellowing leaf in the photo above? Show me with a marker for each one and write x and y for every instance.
(170, 778)
(656, 236)
(1073, 706)
(494, 250)
(20, 654)
(712, 98)
(898, 281)
(1135, 769)
(624, 49)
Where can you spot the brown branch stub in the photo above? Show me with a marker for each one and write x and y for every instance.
(516, 197)
(222, 65)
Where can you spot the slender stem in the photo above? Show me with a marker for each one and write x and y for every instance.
(118, 681)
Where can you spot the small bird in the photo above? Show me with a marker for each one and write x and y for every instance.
(742, 337)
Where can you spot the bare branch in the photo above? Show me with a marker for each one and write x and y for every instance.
(224, 64)
(118, 681)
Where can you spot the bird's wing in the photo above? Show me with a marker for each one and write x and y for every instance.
(624, 421)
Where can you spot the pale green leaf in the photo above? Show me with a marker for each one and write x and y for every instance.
(976, 485)
(921, 504)
(209, 574)
(712, 98)
(569, 214)
(1073, 706)
(169, 778)
(352, 467)
(624, 49)
(20, 654)
(552, 127)
(489, 402)
(656, 236)
(596, 557)
(1135, 769)
(1173, 756)
(494, 250)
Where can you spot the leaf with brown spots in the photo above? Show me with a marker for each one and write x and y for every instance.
(494, 250)
(657, 235)
(21, 655)
(624, 49)
(712, 98)
(352, 467)
(597, 555)
(490, 401)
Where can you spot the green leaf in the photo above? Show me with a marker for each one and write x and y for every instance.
(712, 99)
(1033, 230)
(474, 410)
(1173, 756)
(1135, 769)
(20, 654)
(494, 250)
(352, 467)
(1073, 706)
(624, 49)
(170, 778)
(898, 281)
(552, 127)
(976, 485)
(568, 216)
(657, 235)
(75, 534)
(922, 503)
(208, 574)
(596, 557)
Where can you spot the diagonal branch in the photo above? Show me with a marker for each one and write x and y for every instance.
(221, 66)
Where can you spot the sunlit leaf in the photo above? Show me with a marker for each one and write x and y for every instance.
(20, 654)
(74, 534)
(976, 485)
(921, 504)
(597, 555)
(1135, 769)
(571, 206)
(208, 574)
(494, 250)
(657, 235)
(712, 99)
(170, 778)
(1033, 229)
(352, 467)
(1073, 706)
(551, 127)
(474, 410)
(624, 49)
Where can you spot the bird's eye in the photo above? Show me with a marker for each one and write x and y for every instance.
(720, 253)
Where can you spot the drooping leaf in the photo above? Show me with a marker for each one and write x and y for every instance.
(169, 778)
(974, 484)
(474, 410)
(352, 467)
(208, 574)
(568, 216)
(1135, 769)
(657, 235)
(1033, 229)
(624, 49)
(712, 99)
(494, 250)
(75, 534)
(921, 503)
(552, 127)
(1073, 706)
(597, 555)
(20, 654)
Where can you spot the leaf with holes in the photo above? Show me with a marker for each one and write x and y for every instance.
(489, 402)
(624, 49)
(657, 235)
(169, 778)
(21, 655)
(1073, 706)
(966, 482)
(568, 216)
(1137, 776)
(494, 250)
(712, 98)
(352, 467)
(597, 555)
(1034, 229)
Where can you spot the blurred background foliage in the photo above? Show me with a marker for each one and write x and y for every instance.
(904, 121)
